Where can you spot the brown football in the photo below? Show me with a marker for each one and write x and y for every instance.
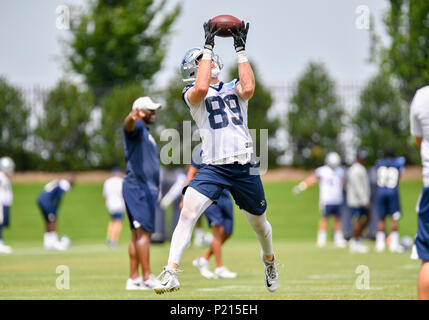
(225, 22)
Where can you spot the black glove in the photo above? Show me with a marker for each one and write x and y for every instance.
(239, 36)
(210, 32)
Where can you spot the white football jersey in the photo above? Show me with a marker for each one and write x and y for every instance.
(112, 191)
(419, 125)
(330, 185)
(6, 195)
(222, 121)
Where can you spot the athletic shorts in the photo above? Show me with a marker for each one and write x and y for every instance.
(221, 213)
(140, 203)
(388, 205)
(117, 216)
(359, 212)
(246, 189)
(422, 238)
(331, 210)
(49, 212)
(4, 216)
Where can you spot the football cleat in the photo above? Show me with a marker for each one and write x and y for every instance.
(135, 284)
(203, 266)
(168, 281)
(151, 283)
(358, 247)
(271, 274)
(5, 249)
(224, 273)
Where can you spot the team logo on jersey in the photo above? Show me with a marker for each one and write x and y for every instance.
(263, 203)
(136, 224)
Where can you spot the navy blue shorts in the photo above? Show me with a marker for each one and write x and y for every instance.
(422, 238)
(4, 216)
(141, 205)
(388, 205)
(246, 189)
(221, 213)
(49, 211)
(331, 210)
(359, 212)
(117, 216)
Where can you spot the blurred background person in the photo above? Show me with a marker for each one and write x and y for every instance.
(389, 170)
(112, 192)
(140, 189)
(331, 181)
(49, 201)
(7, 169)
(419, 123)
(358, 200)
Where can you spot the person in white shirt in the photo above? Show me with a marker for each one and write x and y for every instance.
(112, 192)
(358, 200)
(419, 124)
(331, 182)
(7, 169)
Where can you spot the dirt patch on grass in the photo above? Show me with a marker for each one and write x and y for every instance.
(281, 174)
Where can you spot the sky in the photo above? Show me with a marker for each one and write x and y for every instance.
(284, 37)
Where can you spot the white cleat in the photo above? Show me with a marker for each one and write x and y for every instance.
(168, 281)
(203, 266)
(358, 247)
(397, 249)
(55, 245)
(271, 274)
(4, 249)
(380, 247)
(150, 283)
(340, 243)
(135, 284)
(224, 273)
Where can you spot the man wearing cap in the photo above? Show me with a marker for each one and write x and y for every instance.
(140, 189)
(358, 199)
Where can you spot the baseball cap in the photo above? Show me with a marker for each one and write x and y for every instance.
(145, 103)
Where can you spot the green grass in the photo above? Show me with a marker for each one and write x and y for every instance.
(97, 272)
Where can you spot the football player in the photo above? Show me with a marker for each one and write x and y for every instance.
(7, 169)
(140, 189)
(331, 182)
(220, 112)
(419, 123)
(49, 201)
(389, 170)
(112, 192)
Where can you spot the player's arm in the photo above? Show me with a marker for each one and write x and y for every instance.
(130, 120)
(305, 184)
(198, 92)
(419, 141)
(246, 86)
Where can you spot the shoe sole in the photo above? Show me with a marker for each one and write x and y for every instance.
(162, 291)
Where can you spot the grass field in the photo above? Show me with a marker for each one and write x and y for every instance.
(98, 272)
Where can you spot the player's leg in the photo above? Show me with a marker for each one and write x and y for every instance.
(339, 240)
(395, 210)
(4, 222)
(143, 253)
(362, 220)
(423, 281)
(134, 282)
(380, 238)
(194, 204)
(322, 234)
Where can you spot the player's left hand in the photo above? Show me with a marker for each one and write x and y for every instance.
(240, 36)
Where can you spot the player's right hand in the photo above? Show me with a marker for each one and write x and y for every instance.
(210, 31)
(137, 114)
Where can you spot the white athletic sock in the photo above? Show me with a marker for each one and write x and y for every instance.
(194, 204)
(394, 240)
(262, 230)
(338, 236)
(321, 237)
(380, 239)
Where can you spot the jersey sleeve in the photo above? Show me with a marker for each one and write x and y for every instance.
(64, 185)
(185, 94)
(138, 129)
(415, 125)
(318, 172)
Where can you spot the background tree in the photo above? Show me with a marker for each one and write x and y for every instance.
(259, 109)
(108, 138)
(63, 130)
(316, 118)
(407, 56)
(382, 119)
(119, 42)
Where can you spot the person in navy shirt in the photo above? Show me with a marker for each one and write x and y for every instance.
(140, 189)
(49, 201)
(389, 170)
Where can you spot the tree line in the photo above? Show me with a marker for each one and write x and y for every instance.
(118, 47)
